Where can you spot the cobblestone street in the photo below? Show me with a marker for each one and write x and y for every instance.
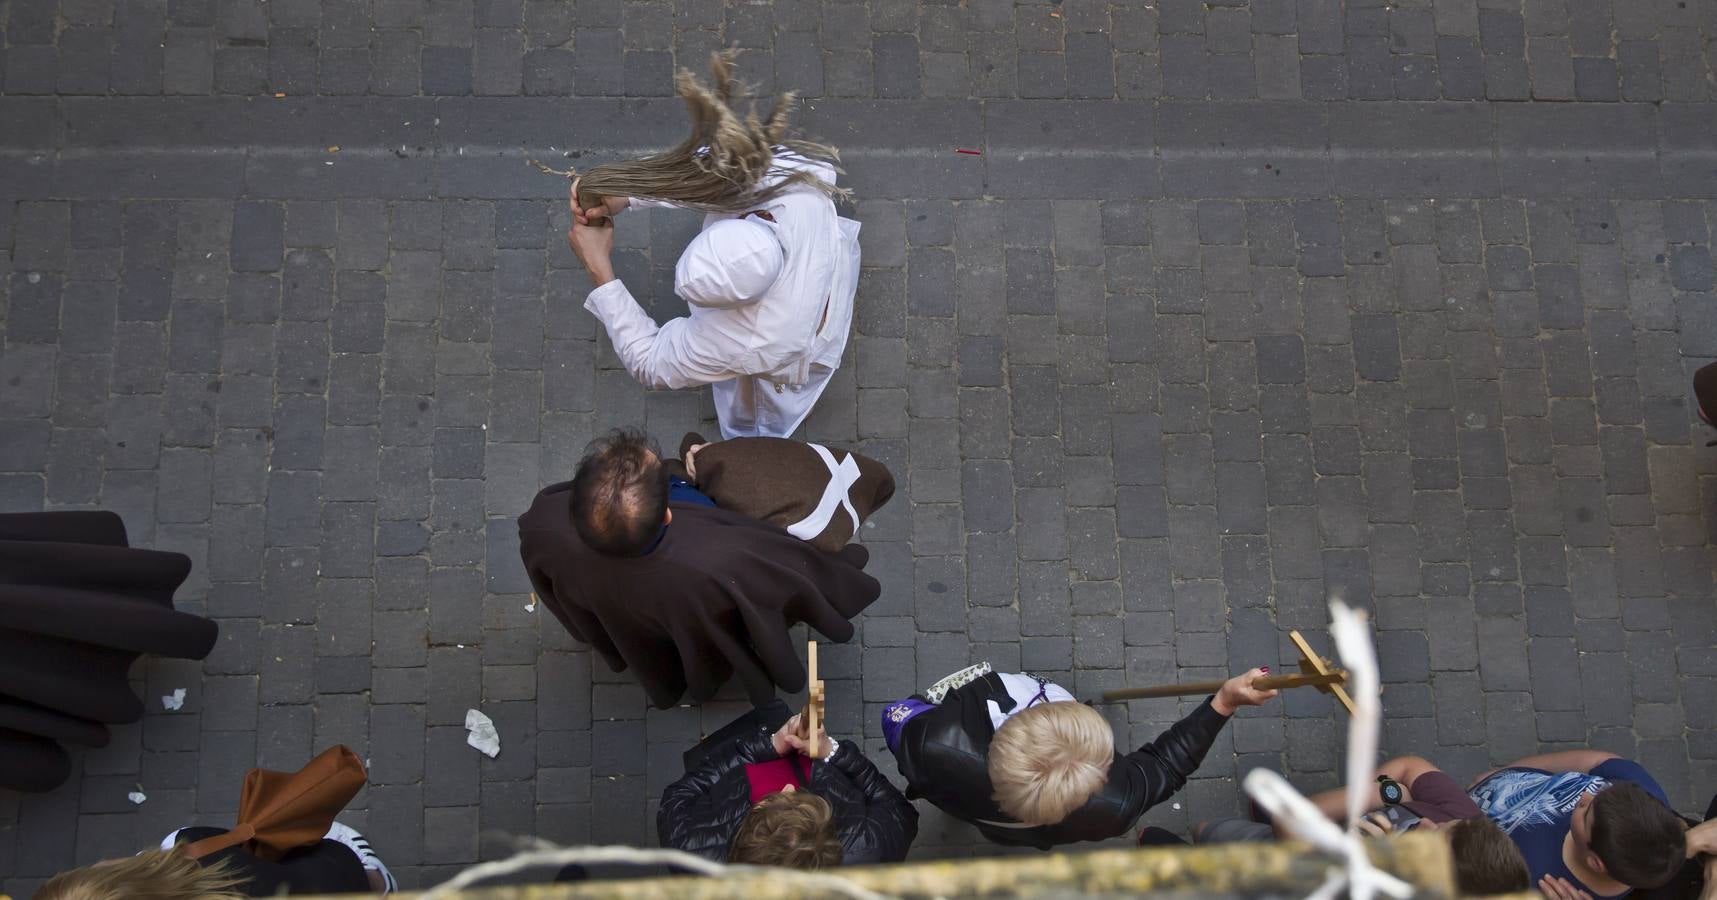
(1242, 304)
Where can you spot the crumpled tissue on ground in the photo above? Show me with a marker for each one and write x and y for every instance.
(482, 733)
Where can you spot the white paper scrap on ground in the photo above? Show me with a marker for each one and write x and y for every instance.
(482, 733)
(175, 700)
(137, 797)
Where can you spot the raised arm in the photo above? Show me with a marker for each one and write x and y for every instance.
(1160, 768)
(1560, 761)
(1565, 761)
(676, 354)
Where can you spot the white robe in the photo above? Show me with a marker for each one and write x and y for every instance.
(768, 360)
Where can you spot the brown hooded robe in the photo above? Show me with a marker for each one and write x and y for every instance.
(713, 600)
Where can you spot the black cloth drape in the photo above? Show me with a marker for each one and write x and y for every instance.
(78, 605)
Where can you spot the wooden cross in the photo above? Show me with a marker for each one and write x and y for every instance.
(1313, 664)
(1315, 671)
(812, 718)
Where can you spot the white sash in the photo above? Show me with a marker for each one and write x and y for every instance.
(842, 476)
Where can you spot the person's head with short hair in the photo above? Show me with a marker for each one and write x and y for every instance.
(1486, 859)
(1630, 835)
(620, 494)
(156, 874)
(792, 829)
(1046, 761)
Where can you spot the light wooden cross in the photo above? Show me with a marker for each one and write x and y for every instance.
(813, 715)
(1313, 664)
(1314, 671)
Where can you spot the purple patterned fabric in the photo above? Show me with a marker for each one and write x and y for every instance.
(895, 716)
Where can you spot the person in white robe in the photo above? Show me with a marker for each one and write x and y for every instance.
(770, 293)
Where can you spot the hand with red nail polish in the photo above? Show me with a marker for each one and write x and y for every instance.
(1238, 691)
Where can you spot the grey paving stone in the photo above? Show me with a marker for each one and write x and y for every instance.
(1152, 418)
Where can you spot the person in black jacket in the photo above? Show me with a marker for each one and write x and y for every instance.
(759, 800)
(1016, 756)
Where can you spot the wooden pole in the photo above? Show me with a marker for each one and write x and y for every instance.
(1194, 688)
(813, 716)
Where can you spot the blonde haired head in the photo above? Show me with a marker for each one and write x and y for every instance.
(155, 875)
(1047, 761)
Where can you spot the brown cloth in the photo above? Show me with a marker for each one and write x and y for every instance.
(714, 599)
(282, 811)
(1705, 393)
(77, 607)
(784, 482)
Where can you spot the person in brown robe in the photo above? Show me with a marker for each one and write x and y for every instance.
(683, 594)
(819, 494)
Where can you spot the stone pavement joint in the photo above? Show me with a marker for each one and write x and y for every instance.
(1245, 302)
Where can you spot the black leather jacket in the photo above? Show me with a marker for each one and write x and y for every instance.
(701, 812)
(943, 754)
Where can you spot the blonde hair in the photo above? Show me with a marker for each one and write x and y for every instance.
(1047, 761)
(722, 165)
(151, 875)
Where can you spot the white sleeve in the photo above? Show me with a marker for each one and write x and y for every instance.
(674, 355)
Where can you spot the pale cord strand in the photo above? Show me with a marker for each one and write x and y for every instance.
(1352, 635)
(546, 854)
(568, 174)
(1358, 876)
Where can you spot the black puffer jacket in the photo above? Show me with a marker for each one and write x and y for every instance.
(944, 755)
(701, 812)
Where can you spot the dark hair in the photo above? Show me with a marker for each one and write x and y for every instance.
(1639, 840)
(620, 494)
(1486, 859)
(794, 829)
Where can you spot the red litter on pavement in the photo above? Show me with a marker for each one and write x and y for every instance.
(968, 152)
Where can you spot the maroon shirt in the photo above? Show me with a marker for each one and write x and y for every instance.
(1437, 798)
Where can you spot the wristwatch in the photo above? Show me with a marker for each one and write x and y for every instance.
(1391, 790)
(834, 747)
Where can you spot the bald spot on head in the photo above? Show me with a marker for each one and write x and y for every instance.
(620, 496)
